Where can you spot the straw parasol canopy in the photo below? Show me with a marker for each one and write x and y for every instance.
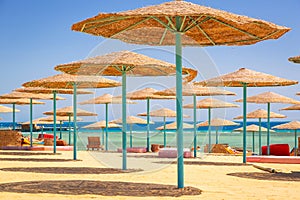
(211, 103)
(295, 59)
(102, 124)
(16, 95)
(261, 113)
(41, 90)
(253, 128)
(293, 107)
(218, 122)
(131, 120)
(60, 118)
(105, 99)
(269, 97)
(68, 111)
(203, 26)
(163, 112)
(19, 101)
(147, 93)
(133, 64)
(173, 126)
(4, 109)
(246, 76)
(39, 121)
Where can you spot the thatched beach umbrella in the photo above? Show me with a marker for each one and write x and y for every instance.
(147, 94)
(254, 128)
(260, 114)
(293, 125)
(295, 59)
(54, 91)
(180, 23)
(210, 103)
(246, 78)
(101, 125)
(106, 99)
(66, 81)
(268, 98)
(31, 96)
(131, 120)
(163, 112)
(217, 122)
(124, 64)
(4, 109)
(190, 89)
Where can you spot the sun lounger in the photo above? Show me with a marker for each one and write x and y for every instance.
(94, 143)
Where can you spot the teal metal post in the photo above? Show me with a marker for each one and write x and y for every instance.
(60, 132)
(14, 116)
(102, 134)
(217, 136)
(268, 131)
(106, 127)
(148, 124)
(74, 121)
(195, 126)
(295, 148)
(30, 117)
(165, 135)
(69, 129)
(130, 139)
(124, 149)
(179, 119)
(253, 142)
(209, 130)
(244, 122)
(54, 121)
(259, 138)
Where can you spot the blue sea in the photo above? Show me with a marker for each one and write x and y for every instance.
(226, 135)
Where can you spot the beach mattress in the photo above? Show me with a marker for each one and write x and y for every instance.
(172, 153)
(277, 150)
(134, 150)
(274, 159)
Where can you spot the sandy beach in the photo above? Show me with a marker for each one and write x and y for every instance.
(42, 175)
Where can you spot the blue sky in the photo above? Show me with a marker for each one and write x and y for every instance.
(36, 36)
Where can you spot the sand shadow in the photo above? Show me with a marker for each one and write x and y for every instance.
(207, 163)
(70, 170)
(293, 176)
(27, 153)
(37, 160)
(104, 188)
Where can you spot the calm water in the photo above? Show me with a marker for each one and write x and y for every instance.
(234, 139)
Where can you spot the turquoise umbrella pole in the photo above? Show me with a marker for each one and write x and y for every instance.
(69, 129)
(209, 130)
(106, 127)
(30, 122)
(195, 126)
(259, 138)
(217, 136)
(148, 124)
(60, 131)
(268, 131)
(130, 139)
(14, 116)
(165, 135)
(180, 164)
(102, 134)
(295, 148)
(74, 121)
(253, 142)
(124, 149)
(244, 121)
(54, 121)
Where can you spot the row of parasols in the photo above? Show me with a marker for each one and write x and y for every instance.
(178, 23)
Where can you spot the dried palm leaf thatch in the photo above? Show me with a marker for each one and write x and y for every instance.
(68, 111)
(202, 26)
(147, 93)
(106, 99)
(293, 125)
(253, 128)
(19, 101)
(218, 122)
(269, 97)
(66, 81)
(295, 59)
(173, 126)
(131, 120)
(102, 124)
(211, 103)
(293, 107)
(261, 113)
(60, 119)
(113, 64)
(4, 109)
(163, 112)
(15, 95)
(41, 90)
(250, 77)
